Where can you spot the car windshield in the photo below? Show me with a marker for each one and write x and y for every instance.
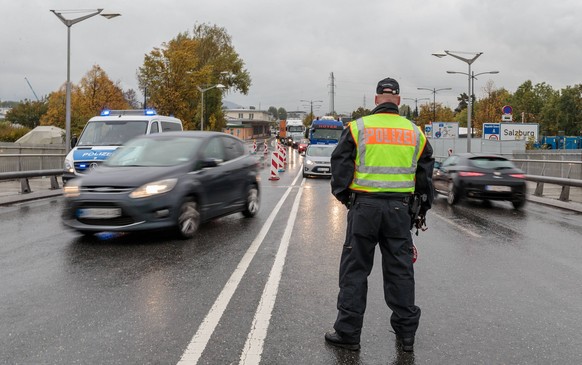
(326, 133)
(161, 151)
(495, 163)
(111, 133)
(319, 151)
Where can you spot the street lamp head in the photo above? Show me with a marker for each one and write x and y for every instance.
(439, 54)
(220, 86)
(110, 15)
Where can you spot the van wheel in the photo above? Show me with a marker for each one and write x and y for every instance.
(189, 219)
(252, 204)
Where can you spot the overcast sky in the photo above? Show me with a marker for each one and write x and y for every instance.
(291, 47)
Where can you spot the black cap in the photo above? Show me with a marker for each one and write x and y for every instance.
(388, 86)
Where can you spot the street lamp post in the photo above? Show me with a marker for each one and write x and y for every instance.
(311, 104)
(434, 91)
(468, 61)
(473, 78)
(202, 91)
(415, 103)
(69, 23)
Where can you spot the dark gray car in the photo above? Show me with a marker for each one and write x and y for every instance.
(172, 180)
(479, 176)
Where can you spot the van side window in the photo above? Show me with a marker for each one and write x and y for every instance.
(154, 128)
(170, 127)
(234, 148)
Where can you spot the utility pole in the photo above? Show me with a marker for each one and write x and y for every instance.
(311, 104)
(331, 102)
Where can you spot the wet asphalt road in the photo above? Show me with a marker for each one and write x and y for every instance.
(496, 286)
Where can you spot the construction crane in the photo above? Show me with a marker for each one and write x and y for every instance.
(29, 85)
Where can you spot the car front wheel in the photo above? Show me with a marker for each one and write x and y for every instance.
(453, 194)
(189, 219)
(252, 204)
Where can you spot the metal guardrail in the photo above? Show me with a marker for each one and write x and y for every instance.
(23, 176)
(564, 182)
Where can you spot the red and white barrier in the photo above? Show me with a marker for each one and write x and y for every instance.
(254, 146)
(274, 167)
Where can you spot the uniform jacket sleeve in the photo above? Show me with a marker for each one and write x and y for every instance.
(342, 166)
(423, 183)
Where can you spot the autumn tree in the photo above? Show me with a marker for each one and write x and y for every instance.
(488, 108)
(27, 113)
(360, 112)
(174, 74)
(429, 111)
(94, 93)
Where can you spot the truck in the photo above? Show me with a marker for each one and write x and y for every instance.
(104, 133)
(282, 132)
(294, 132)
(325, 130)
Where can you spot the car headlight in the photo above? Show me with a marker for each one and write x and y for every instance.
(153, 188)
(69, 166)
(72, 189)
(309, 162)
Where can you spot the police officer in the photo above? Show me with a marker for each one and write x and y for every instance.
(380, 162)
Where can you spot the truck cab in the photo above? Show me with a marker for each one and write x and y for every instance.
(103, 134)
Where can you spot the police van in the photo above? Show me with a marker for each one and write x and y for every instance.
(103, 134)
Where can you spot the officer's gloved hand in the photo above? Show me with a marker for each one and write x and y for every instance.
(420, 222)
(347, 203)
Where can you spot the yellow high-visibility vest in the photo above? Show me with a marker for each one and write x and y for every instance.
(389, 147)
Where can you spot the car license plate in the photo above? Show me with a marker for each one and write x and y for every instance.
(498, 188)
(324, 169)
(99, 213)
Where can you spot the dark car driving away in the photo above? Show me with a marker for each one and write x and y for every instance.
(480, 176)
(174, 180)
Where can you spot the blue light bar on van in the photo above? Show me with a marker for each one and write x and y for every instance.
(150, 112)
(105, 112)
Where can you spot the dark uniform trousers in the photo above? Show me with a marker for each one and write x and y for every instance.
(386, 221)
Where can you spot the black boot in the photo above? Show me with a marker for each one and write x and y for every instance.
(407, 343)
(334, 339)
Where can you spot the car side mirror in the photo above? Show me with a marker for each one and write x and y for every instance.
(73, 141)
(210, 162)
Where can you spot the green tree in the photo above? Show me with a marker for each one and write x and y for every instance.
(174, 73)
(27, 113)
(566, 112)
(528, 101)
(273, 111)
(282, 113)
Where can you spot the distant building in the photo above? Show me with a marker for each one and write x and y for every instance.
(296, 115)
(3, 112)
(248, 123)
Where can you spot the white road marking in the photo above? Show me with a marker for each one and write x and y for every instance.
(200, 340)
(253, 348)
(452, 223)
